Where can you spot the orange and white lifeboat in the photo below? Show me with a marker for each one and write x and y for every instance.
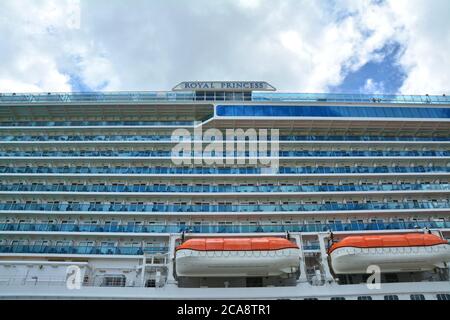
(236, 257)
(391, 253)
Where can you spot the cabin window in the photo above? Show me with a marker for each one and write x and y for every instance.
(151, 283)
(417, 297)
(391, 297)
(114, 281)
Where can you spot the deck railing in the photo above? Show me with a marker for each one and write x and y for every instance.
(167, 96)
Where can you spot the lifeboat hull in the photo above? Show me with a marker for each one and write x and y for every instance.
(350, 260)
(192, 263)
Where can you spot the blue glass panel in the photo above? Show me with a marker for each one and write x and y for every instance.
(330, 111)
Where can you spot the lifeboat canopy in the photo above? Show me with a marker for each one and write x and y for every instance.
(389, 241)
(391, 253)
(237, 257)
(237, 244)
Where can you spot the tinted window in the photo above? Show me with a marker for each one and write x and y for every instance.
(331, 111)
(445, 297)
(391, 297)
(417, 297)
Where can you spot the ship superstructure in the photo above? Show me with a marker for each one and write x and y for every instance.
(224, 190)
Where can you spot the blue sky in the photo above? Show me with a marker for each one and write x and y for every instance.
(376, 76)
(356, 46)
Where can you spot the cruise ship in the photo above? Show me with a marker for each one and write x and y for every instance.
(224, 190)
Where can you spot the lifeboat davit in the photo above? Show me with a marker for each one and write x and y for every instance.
(237, 257)
(392, 253)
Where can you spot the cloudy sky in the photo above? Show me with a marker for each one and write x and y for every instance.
(373, 46)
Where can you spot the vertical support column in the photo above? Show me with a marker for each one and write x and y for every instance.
(324, 255)
(170, 269)
(144, 264)
(447, 272)
(298, 239)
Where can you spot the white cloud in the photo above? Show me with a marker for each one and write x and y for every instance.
(426, 38)
(29, 46)
(372, 86)
(301, 45)
(249, 4)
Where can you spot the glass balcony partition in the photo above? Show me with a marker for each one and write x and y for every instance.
(222, 189)
(282, 154)
(188, 96)
(168, 138)
(223, 171)
(109, 207)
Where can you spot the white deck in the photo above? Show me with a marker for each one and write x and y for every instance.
(403, 290)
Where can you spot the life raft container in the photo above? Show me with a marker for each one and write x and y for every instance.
(236, 257)
(391, 253)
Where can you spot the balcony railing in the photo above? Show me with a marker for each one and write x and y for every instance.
(207, 229)
(152, 207)
(154, 97)
(94, 123)
(220, 189)
(169, 154)
(97, 250)
(224, 171)
(167, 138)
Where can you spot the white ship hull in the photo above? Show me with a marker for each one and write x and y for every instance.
(301, 291)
